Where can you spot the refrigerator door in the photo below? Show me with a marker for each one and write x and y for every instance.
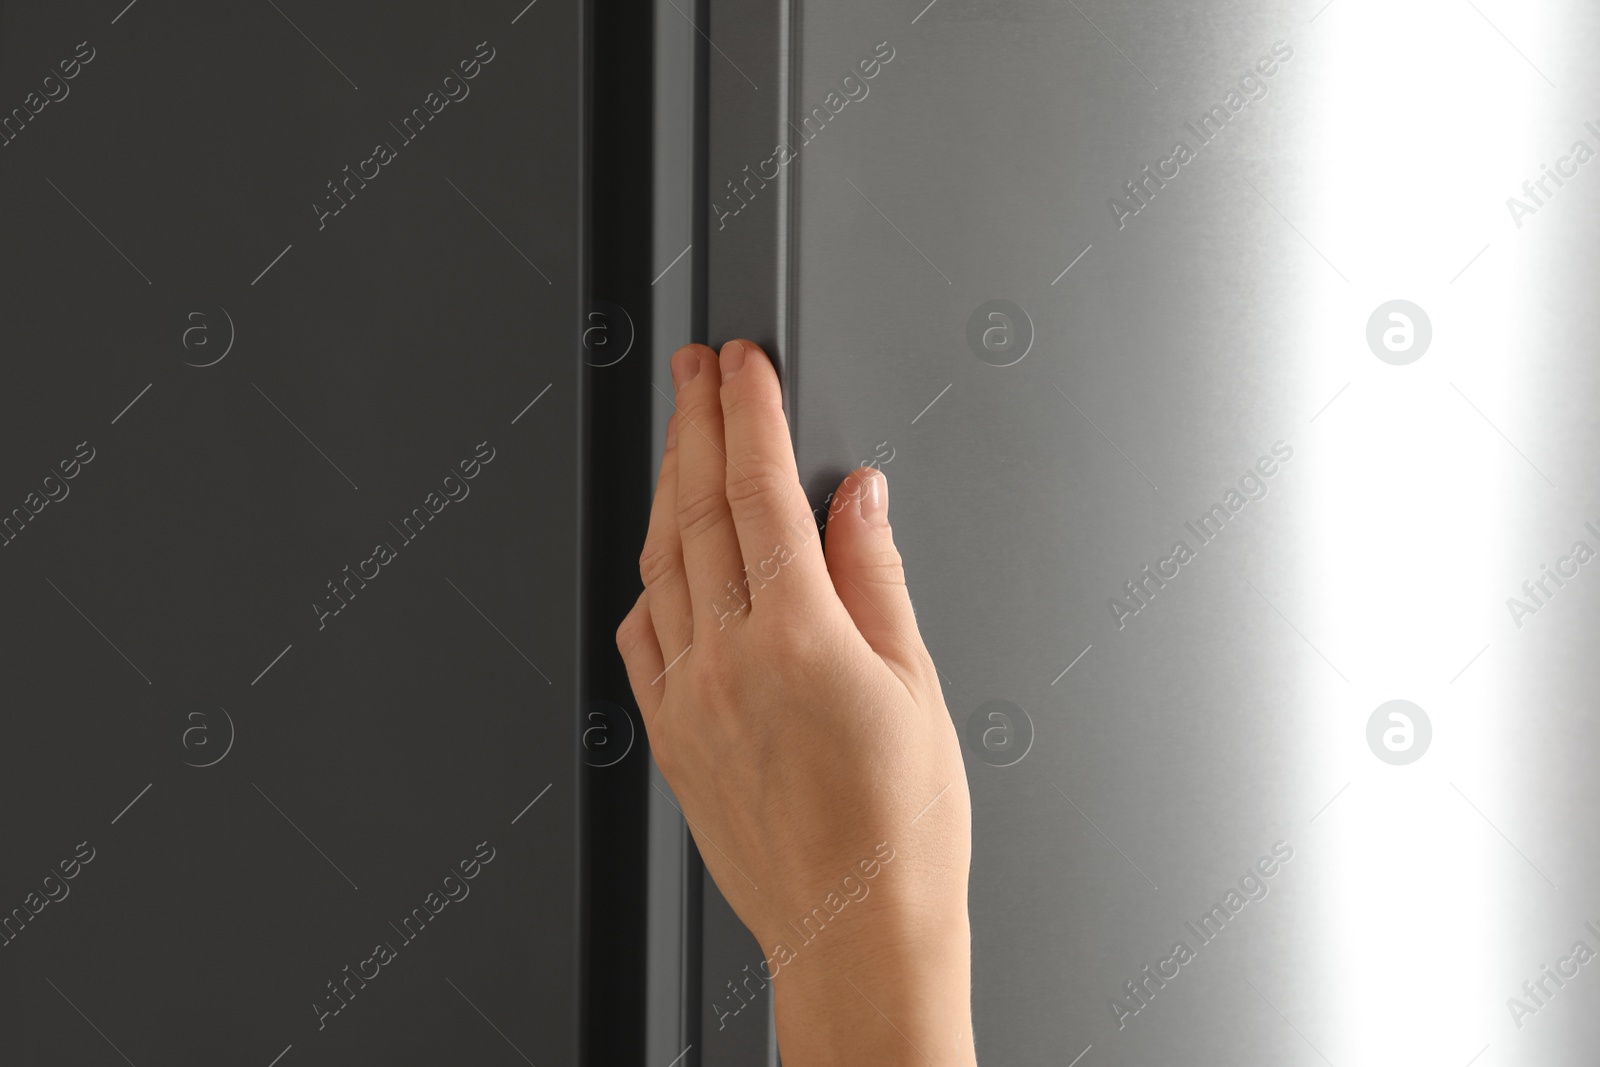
(1232, 368)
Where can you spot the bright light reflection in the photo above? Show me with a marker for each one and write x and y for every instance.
(1402, 595)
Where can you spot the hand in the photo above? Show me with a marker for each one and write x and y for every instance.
(792, 707)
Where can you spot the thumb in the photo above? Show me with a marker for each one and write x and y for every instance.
(867, 575)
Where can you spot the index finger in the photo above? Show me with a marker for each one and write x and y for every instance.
(773, 520)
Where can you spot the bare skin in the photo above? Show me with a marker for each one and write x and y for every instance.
(798, 718)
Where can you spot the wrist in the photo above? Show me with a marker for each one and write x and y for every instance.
(897, 994)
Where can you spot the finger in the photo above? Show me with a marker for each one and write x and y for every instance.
(661, 562)
(867, 574)
(641, 654)
(771, 517)
(711, 561)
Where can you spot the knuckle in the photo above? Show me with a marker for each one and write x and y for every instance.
(658, 560)
(729, 606)
(698, 407)
(759, 482)
(753, 404)
(701, 506)
(882, 567)
(635, 626)
(626, 639)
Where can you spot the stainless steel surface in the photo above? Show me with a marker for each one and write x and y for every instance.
(1222, 322)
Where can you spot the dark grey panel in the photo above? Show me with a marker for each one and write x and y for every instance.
(269, 389)
(1149, 357)
(747, 229)
(748, 218)
(677, 314)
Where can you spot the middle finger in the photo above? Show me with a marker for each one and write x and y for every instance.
(711, 558)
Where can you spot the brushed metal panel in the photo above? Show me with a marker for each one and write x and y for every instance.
(1172, 349)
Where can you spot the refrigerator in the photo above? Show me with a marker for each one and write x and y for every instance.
(1231, 367)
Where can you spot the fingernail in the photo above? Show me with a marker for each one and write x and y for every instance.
(685, 365)
(875, 500)
(732, 359)
(672, 431)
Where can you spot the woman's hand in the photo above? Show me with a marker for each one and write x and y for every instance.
(791, 705)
